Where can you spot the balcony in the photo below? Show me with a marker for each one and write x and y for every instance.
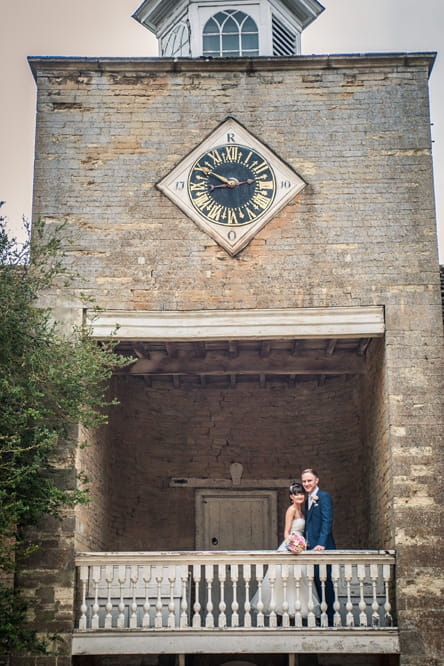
(186, 602)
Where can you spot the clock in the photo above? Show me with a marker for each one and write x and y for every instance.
(231, 185)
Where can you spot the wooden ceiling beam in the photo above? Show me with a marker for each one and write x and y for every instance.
(249, 363)
(233, 349)
(330, 349)
(363, 345)
(296, 347)
(140, 350)
(199, 349)
(265, 348)
(171, 349)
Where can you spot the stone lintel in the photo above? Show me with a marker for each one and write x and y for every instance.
(278, 324)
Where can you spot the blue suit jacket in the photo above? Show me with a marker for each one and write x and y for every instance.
(319, 522)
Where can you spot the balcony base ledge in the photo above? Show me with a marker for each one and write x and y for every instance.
(240, 641)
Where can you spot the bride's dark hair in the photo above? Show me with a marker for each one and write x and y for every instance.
(296, 488)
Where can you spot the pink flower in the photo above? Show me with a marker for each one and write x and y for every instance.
(295, 543)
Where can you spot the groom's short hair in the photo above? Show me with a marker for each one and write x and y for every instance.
(310, 470)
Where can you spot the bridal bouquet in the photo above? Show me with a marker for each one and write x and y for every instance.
(296, 543)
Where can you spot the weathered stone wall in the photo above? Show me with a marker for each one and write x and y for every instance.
(361, 233)
(159, 433)
(49, 578)
(92, 519)
(356, 133)
(375, 422)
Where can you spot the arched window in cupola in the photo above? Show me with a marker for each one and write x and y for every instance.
(177, 42)
(230, 33)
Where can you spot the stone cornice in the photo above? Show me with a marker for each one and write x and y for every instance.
(46, 64)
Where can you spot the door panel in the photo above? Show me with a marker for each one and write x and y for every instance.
(236, 520)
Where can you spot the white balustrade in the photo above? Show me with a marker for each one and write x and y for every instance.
(247, 604)
(211, 591)
(196, 605)
(298, 605)
(122, 580)
(260, 603)
(209, 577)
(323, 600)
(285, 604)
(234, 605)
(146, 576)
(221, 572)
(311, 617)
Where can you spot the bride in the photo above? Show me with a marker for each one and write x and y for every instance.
(294, 523)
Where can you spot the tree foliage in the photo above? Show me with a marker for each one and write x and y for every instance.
(50, 382)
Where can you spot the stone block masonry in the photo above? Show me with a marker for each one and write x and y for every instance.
(362, 232)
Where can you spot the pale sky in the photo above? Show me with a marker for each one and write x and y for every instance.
(105, 28)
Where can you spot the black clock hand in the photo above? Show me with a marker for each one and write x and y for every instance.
(209, 172)
(233, 183)
(215, 187)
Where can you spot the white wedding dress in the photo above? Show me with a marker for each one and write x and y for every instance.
(290, 588)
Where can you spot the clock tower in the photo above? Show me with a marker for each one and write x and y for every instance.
(217, 28)
(258, 227)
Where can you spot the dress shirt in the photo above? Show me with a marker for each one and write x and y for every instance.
(310, 497)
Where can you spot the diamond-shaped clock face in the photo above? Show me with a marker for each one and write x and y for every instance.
(231, 185)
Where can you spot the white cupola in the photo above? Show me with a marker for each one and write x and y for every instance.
(221, 28)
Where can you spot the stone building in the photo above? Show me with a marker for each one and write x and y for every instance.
(261, 226)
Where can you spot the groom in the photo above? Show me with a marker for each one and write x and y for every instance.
(318, 529)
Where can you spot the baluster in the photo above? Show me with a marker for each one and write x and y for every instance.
(285, 615)
(172, 605)
(95, 609)
(109, 575)
(184, 600)
(362, 604)
(349, 620)
(375, 605)
(146, 606)
(260, 603)
(196, 605)
(209, 577)
(324, 607)
(387, 606)
(159, 580)
(222, 622)
(134, 577)
(121, 578)
(297, 568)
(246, 570)
(311, 618)
(272, 581)
(84, 571)
(234, 604)
(335, 571)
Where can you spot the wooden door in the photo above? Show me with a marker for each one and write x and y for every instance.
(236, 520)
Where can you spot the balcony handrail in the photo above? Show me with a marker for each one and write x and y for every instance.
(235, 556)
(194, 590)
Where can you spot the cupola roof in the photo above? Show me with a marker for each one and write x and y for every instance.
(228, 28)
(154, 13)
